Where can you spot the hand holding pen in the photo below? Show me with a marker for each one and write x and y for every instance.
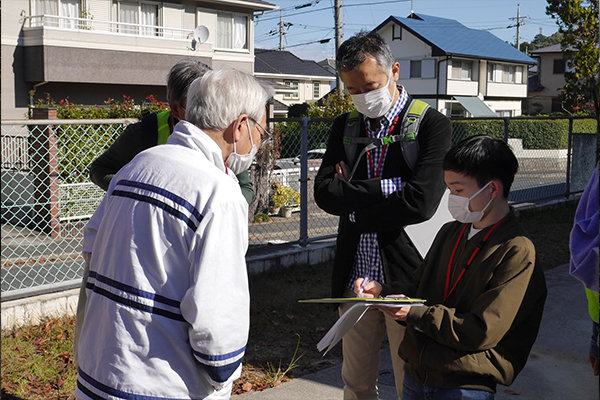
(361, 289)
(365, 287)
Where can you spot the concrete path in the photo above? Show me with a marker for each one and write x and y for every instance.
(557, 368)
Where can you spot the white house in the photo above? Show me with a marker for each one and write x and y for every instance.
(295, 80)
(546, 85)
(90, 50)
(459, 71)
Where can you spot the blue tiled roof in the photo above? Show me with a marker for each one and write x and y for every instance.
(284, 62)
(450, 37)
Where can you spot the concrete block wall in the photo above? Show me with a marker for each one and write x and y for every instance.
(37, 309)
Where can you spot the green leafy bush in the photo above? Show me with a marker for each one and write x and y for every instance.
(79, 145)
(285, 196)
(535, 133)
(261, 217)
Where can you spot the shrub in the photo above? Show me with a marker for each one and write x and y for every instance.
(535, 133)
(261, 217)
(79, 145)
(285, 196)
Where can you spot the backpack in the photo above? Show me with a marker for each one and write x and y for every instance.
(409, 129)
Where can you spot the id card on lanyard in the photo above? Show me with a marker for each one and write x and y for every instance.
(447, 290)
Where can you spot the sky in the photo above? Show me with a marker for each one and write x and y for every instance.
(315, 21)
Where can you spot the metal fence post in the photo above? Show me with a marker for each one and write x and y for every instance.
(569, 157)
(506, 130)
(44, 154)
(304, 181)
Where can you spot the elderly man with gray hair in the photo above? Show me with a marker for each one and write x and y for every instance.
(167, 314)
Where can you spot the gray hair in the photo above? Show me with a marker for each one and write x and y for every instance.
(181, 77)
(220, 96)
(355, 50)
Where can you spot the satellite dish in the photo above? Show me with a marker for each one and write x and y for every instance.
(201, 34)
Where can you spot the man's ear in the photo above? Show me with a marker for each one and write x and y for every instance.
(395, 71)
(239, 127)
(497, 188)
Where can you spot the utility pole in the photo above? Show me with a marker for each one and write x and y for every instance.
(338, 39)
(281, 33)
(518, 24)
(282, 29)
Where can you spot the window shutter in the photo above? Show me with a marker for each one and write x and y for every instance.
(428, 68)
(404, 69)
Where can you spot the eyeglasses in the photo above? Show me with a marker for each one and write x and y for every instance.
(266, 136)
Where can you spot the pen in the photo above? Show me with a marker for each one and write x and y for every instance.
(362, 285)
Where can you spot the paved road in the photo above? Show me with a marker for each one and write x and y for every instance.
(557, 368)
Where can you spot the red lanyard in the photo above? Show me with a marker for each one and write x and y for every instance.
(383, 151)
(447, 292)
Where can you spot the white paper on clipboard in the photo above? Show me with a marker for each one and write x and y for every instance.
(422, 234)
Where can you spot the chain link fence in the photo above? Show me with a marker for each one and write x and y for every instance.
(47, 197)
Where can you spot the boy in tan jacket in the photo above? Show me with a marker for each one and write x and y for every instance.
(485, 296)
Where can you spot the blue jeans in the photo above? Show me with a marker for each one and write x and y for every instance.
(414, 391)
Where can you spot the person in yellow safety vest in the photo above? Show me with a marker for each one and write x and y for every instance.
(155, 128)
(584, 256)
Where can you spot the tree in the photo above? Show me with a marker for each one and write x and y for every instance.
(332, 105)
(577, 21)
(540, 41)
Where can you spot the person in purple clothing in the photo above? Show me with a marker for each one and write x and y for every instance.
(584, 256)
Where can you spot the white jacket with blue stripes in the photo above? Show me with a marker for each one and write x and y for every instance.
(167, 313)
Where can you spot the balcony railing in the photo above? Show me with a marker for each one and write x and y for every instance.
(121, 28)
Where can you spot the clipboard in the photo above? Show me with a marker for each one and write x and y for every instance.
(387, 301)
(354, 314)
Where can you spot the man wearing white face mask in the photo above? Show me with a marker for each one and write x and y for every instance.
(167, 314)
(485, 295)
(384, 193)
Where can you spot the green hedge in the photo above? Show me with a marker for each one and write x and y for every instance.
(79, 145)
(535, 133)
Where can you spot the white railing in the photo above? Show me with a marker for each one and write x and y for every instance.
(87, 24)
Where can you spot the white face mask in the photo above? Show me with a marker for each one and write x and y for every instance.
(459, 207)
(238, 163)
(375, 103)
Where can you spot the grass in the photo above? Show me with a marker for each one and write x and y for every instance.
(37, 361)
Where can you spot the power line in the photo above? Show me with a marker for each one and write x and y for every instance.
(332, 7)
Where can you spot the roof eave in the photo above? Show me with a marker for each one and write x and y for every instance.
(476, 57)
(273, 75)
(253, 5)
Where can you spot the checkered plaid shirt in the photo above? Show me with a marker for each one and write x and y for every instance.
(367, 261)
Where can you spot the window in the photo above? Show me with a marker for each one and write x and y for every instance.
(294, 86)
(505, 73)
(316, 90)
(396, 32)
(415, 68)
(232, 31)
(462, 70)
(65, 9)
(504, 113)
(508, 73)
(455, 110)
(559, 66)
(137, 17)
